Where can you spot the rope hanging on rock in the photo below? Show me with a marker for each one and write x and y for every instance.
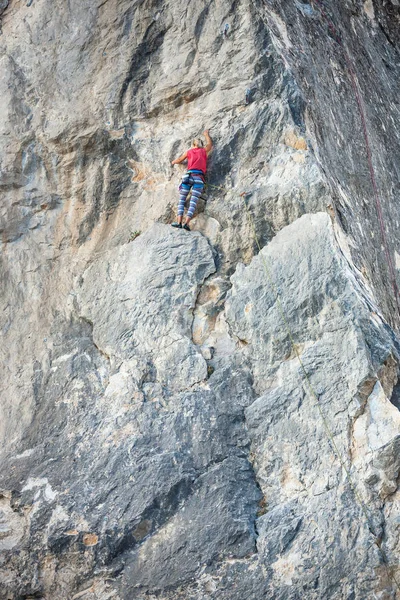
(338, 39)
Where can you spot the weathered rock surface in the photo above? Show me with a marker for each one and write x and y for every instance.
(344, 351)
(346, 65)
(158, 435)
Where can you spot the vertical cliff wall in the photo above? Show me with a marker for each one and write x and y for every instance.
(212, 414)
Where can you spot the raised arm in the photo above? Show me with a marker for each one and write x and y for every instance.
(209, 144)
(180, 159)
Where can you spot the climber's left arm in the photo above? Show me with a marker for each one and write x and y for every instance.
(180, 159)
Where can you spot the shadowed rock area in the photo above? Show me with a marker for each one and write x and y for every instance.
(210, 414)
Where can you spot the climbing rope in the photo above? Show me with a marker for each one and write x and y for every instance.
(338, 39)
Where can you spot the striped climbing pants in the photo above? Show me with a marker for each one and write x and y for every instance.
(196, 182)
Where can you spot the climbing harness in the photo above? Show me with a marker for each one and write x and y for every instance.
(338, 39)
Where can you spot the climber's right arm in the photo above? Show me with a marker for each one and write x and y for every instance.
(209, 144)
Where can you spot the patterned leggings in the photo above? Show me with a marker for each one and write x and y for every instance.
(194, 181)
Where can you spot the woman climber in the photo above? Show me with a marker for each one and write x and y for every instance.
(193, 178)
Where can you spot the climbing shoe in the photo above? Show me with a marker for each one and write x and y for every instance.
(186, 226)
(178, 225)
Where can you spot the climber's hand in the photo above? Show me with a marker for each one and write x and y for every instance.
(177, 161)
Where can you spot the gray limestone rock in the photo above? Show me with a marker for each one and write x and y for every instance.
(158, 437)
(314, 413)
(345, 60)
(140, 299)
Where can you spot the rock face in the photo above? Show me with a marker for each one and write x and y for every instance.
(213, 414)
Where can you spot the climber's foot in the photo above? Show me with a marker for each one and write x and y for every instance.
(178, 225)
(186, 226)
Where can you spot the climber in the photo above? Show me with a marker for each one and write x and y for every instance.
(193, 178)
(226, 30)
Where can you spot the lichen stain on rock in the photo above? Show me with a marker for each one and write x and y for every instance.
(294, 141)
(72, 532)
(90, 539)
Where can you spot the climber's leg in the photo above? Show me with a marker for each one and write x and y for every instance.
(196, 193)
(184, 190)
(197, 189)
(182, 199)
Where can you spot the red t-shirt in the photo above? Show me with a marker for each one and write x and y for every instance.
(197, 159)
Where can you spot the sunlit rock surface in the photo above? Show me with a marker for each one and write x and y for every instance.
(213, 414)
